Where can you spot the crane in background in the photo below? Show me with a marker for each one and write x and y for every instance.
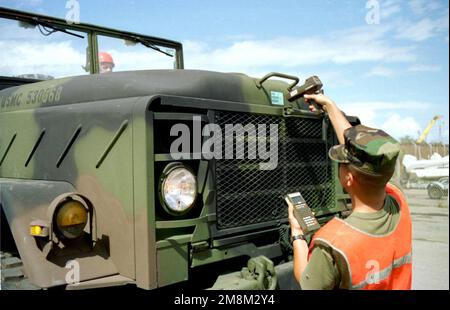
(428, 128)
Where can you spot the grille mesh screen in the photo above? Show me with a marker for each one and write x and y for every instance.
(248, 195)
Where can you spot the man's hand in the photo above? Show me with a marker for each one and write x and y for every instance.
(295, 226)
(338, 119)
(321, 100)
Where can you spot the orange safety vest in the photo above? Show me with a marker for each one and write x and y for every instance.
(374, 262)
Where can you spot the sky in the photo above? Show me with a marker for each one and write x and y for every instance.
(386, 61)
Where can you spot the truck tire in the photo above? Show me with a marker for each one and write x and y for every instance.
(12, 275)
(435, 192)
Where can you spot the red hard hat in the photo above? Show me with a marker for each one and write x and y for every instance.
(105, 57)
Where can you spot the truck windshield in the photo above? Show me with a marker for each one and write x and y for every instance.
(123, 55)
(35, 52)
(43, 48)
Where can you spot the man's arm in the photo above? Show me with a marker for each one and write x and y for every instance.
(322, 272)
(340, 123)
(300, 248)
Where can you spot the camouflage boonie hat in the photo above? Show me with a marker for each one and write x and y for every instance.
(370, 150)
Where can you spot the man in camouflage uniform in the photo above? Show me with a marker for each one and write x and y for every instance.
(370, 249)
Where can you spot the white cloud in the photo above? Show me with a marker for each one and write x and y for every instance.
(394, 124)
(239, 37)
(387, 115)
(333, 79)
(366, 115)
(399, 126)
(53, 58)
(424, 68)
(140, 58)
(423, 30)
(381, 71)
(420, 7)
(244, 54)
(364, 44)
(62, 58)
(389, 8)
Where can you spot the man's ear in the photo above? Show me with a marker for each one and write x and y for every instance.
(349, 179)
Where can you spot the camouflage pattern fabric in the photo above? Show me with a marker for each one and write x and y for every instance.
(370, 150)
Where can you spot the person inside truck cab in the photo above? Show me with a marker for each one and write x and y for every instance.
(371, 248)
(106, 62)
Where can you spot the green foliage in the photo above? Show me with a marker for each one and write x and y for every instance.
(407, 140)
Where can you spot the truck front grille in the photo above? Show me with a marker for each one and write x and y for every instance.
(248, 195)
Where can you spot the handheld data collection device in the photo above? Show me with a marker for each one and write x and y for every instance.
(313, 85)
(302, 212)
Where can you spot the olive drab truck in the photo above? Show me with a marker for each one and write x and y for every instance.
(132, 177)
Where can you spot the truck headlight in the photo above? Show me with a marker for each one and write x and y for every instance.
(178, 189)
(71, 218)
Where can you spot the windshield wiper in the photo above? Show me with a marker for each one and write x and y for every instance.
(149, 45)
(54, 29)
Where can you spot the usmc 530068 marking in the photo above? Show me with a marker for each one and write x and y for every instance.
(32, 97)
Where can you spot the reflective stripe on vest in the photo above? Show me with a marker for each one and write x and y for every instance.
(373, 261)
(385, 273)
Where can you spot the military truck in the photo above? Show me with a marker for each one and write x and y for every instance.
(98, 188)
